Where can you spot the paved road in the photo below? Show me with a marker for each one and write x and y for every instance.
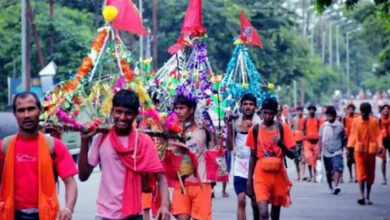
(310, 201)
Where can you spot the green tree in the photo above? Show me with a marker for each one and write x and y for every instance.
(376, 18)
(73, 31)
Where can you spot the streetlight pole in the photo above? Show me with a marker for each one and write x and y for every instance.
(330, 44)
(338, 39)
(323, 33)
(25, 48)
(348, 60)
(337, 46)
(155, 34)
(141, 39)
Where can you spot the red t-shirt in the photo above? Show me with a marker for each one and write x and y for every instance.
(265, 144)
(26, 170)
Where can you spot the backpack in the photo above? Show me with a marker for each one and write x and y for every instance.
(50, 142)
(280, 144)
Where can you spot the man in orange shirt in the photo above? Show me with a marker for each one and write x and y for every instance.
(349, 117)
(269, 141)
(310, 144)
(297, 125)
(384, 123)
(366, 138)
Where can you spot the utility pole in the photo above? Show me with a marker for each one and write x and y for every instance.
(338, 40)
(141, 39)
(304, 5)
(347, 63)
(52, 30)
(337, 46)
(322, 40)
(35, 34)
(330, 44)
(348, 35)
(26, 74)
(295, 93)
(148, 50)
(155, 35)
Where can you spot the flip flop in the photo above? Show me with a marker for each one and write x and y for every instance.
(361, 201)
(225, 195)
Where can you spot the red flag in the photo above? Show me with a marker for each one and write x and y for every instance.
(248, 33)
(128, 17)
(193, 17)
(192, 26)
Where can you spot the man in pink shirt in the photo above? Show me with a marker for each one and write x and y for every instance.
(124, 154)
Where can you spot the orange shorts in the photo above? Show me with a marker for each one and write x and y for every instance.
(311, 153)
(146, 200)
(365, 167)
(195, 203)
(272, 187)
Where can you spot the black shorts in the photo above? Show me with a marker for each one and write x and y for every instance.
(239, 184)
(298, 152)
(19, 215)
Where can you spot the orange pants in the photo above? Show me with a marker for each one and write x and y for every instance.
(365, 167)
(272, 187)
(146, 200)
(195, 203)
(311, 153)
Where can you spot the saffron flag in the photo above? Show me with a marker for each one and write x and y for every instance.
(192, 26)
(128, 18)
(248, 33)
(193, 17)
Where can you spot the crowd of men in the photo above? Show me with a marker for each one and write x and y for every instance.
(259, 141)
(362, 137)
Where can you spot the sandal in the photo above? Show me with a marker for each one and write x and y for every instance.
(361, 201)
(225, 194)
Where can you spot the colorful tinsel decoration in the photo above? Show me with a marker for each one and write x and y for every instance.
(242, 77)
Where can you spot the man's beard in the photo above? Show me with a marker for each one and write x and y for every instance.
(30, 130)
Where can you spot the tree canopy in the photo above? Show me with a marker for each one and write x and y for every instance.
(285, 57)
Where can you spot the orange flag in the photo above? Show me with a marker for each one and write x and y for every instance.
(248, 33)
(128, 18)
